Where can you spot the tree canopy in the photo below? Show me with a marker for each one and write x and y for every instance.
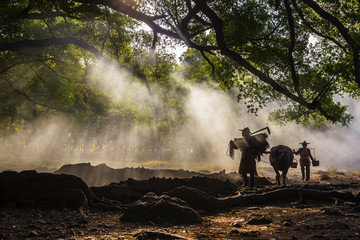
(303, 54)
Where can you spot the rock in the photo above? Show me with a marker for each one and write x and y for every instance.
(287, 222)
(144, 235)
(259, 221)
(356, 209)
(105, 225)
(83, 221)
(324, 177)
(357, 196)
(239, 224)
(196, 198)
(339, 225)
(133, 190)
(251, 234)
(234, 232)
(35, 227)
(33, 233)
(318, 236)
(18, 228)
(163, 210)
(332, 212)
(42, 221)
(44, 189)
(201, 235)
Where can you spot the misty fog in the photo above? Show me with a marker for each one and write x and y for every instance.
(214, 118)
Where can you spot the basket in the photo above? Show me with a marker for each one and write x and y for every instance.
(316, 163)
(294, 164)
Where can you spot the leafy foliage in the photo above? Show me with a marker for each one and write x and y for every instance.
(57, 78)
(300, 54)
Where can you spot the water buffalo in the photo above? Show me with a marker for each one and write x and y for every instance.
(281, 158)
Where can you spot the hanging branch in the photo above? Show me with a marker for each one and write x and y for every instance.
(344, 33)
(48, 26)
(108, 30)
(301, 14)
(28, 97)
(155, 40)
(32, 69)
(211, 64)
(55, 72)
(294, 76)
(17, 46)
(23, 62)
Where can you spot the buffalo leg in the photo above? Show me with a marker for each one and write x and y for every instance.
(277, 177)
(284, 177)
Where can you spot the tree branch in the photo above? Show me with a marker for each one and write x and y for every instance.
(295, 77)
(48, 26)
(108, 30)
(155, 40)
(301, 14)
(27, 97)
(7, 113)
(56, 73)
(333, 20)
(343, 31)
(131, 12)
(217, 23)
(17, 46)
(23, 62)
(211, 64)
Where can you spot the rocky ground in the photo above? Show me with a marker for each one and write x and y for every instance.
(331, 219)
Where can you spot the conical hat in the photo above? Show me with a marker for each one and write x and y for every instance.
(245, 130)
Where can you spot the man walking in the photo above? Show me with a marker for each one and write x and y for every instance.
(305, 156)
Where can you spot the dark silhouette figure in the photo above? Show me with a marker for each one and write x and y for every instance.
(305, 156)
(252, 147)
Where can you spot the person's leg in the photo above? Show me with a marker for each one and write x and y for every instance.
(252, 179)
(302, 172)
(245, 178)
(308, 173)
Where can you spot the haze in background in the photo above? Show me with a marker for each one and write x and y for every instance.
(214, 119)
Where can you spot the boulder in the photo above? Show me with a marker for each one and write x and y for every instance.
(162, 210)
(48, 189)
(144, 235)
(132, 190)
(196, 198)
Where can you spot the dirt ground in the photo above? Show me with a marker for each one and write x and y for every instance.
(277, 220)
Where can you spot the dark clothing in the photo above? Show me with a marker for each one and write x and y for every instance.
(246, 179)
(247, 162)
(305, 156)
(307, 173)
(251, 148)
